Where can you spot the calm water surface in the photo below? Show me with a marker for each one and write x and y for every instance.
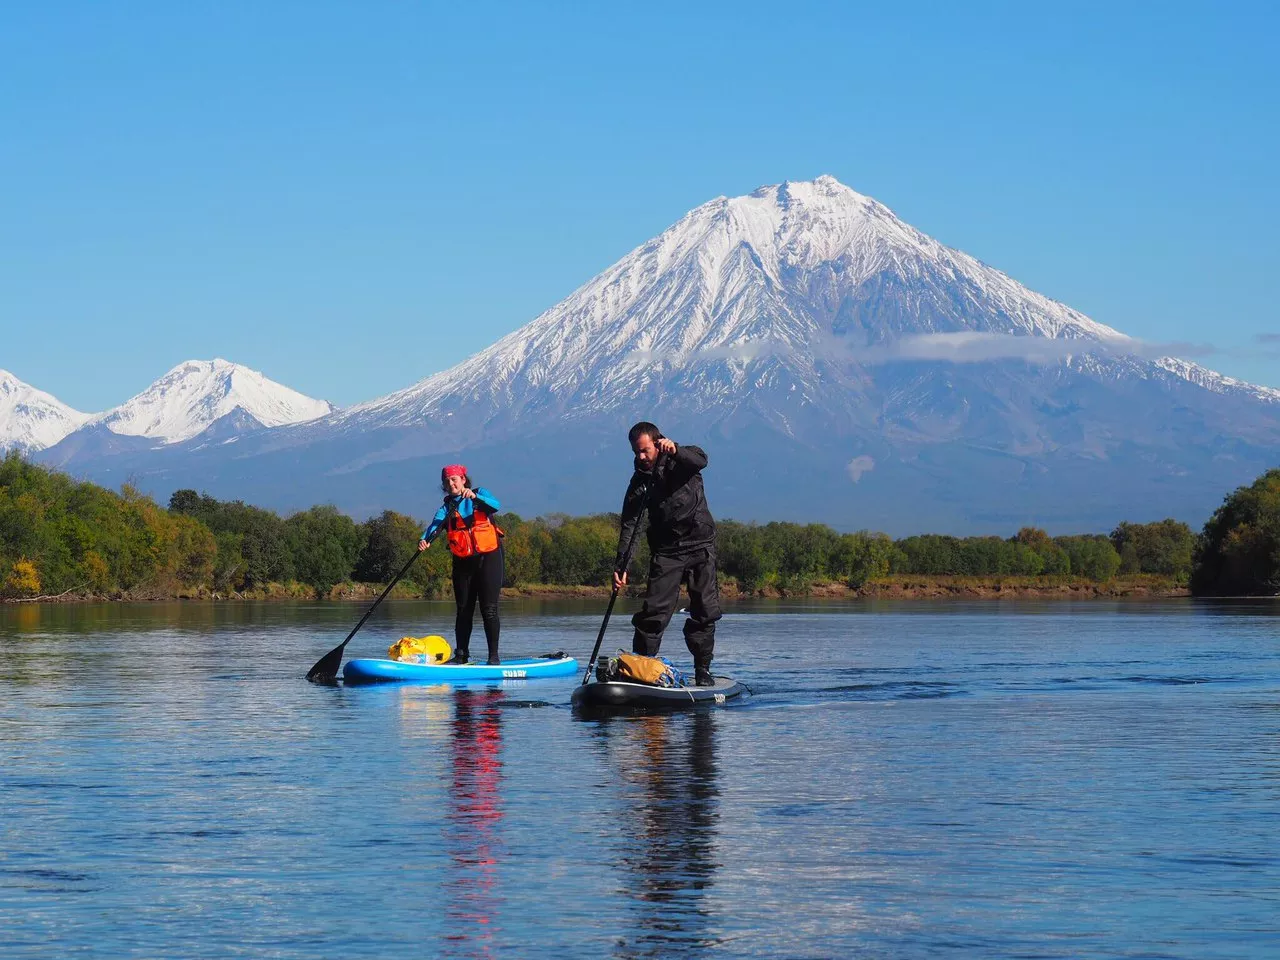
(984, 780)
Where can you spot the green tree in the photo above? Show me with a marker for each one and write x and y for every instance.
(862, 556)
(196, 552)
(581, 550)
(389, 540)
(1090, 556)
(522, 547)
(933, 555)
(805, 553)
(1164, 547)
(740, 554)
(251, 540)
(324, 545)
(229, 565)
(1053, 560)
(1239, 551)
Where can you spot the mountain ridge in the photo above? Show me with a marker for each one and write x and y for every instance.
(179, 405)
(194, 394)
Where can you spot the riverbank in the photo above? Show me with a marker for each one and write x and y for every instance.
(889, 588)
(918, 588)
(1074, 588)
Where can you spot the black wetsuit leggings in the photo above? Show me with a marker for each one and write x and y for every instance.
(477, 578)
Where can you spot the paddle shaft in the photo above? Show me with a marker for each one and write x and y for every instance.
(613, 598)
(318, 672)
(382, 596)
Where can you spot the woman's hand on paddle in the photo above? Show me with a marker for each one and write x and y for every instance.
(467, 494)
(423, 544)
(619, 579)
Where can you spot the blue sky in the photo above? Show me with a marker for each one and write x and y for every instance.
(352, 196)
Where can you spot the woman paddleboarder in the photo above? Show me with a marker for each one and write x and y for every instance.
(476, 544)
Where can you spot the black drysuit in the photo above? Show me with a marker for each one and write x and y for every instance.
(682, 548)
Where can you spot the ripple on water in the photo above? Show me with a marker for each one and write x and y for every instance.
(975, 781)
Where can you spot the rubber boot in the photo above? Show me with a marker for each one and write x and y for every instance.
(702, 674)
(460, 657)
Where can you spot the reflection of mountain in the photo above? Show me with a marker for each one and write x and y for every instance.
(473, 835)
(666, 766)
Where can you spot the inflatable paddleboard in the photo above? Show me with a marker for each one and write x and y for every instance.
(390, 671)
(622, 695)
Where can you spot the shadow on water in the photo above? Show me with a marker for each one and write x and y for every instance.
(473, 834)
(1238, 606)
(665, 849)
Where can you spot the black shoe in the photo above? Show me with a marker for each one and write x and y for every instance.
(703, 678)
(494, 662)
(459, 658)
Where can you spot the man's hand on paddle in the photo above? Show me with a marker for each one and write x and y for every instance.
(423, 544)
(665, 445)
(619, 579)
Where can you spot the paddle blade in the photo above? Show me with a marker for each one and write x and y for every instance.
(326, 668)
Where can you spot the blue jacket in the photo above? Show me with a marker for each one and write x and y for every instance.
(464, 508)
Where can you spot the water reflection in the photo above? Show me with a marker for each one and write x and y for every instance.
(473, 834)
(667, 769)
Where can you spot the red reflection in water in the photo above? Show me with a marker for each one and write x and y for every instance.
(475, 817)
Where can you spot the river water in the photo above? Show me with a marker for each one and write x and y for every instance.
(995, 779)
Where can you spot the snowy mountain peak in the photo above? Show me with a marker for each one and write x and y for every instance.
(793, 277)
(195, 394)
(31, 419)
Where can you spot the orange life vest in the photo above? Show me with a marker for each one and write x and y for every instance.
(475, 534)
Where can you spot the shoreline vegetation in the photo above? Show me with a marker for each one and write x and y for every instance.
(62, 540)
(886, 588)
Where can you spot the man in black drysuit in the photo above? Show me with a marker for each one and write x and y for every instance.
(682, 545)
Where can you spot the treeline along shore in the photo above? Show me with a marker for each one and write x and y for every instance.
(66, 540)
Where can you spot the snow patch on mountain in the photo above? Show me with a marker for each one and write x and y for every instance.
(193, 395)
(1216, 382)
(31, 419)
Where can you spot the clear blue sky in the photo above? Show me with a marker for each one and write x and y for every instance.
(351, 196)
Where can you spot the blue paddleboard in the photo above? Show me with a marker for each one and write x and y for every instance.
(523, 668)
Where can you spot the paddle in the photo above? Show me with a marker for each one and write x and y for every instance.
(326, 668)
(613, 597)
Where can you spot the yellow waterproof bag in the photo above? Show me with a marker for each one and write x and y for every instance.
(432, 649)
(654, 670)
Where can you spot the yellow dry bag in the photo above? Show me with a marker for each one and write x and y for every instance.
(430, 649)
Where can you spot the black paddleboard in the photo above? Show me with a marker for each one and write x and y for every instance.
(621, 695)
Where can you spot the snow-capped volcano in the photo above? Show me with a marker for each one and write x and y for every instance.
(193, 395)
(31, 419)
(798, 287)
